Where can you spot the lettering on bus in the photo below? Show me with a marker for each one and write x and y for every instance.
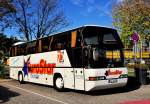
(41, 68)
(60, 58)
(15, 60)
(25, 67)
(36, 76)
(116, 72)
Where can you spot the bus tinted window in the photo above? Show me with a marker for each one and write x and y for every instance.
(31, 47)
(109, 39)
(92, 40)
(45, 44)
(59, 42)
(104, 48)
(21, 49)
(68, 40)
(12, 51)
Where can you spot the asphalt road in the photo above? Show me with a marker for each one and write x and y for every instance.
(12, 92)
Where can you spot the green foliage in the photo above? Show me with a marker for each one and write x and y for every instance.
(2, 71)
(142, 66)
(138, 66)
(5, 44)
(131, 74)
(130, 16)
(1, 54)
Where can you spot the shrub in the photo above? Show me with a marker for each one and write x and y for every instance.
(2, 71)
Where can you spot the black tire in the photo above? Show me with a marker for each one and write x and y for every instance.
(59, 83)
(20, 78)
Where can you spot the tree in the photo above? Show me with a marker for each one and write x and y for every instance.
(6, 7)
(49, 20)
(5, 44)
(130, 16)
(35, 21)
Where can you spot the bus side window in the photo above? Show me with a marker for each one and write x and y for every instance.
(78, 41)
(31, 47)
(59, 42)
(12, 51)
(15, 51)
(21, 50)
(45, 44)
(24, 47)
(68, 40)
(53, 44)
(18, 51)
(62, 42)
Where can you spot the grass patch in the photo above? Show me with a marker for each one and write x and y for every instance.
(136, 65)
(131, 74)
(132, 66)
(3, 72)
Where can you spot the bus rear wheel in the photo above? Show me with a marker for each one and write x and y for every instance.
(20, 78)
(59, 83)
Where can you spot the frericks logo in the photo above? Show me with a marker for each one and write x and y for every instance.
(116, 72)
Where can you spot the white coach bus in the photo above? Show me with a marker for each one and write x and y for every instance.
(80, 59)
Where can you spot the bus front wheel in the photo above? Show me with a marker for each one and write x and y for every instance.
(20, 78)
(59, 83)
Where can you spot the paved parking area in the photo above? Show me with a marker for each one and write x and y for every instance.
(12, 92)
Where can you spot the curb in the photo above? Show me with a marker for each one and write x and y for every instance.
(4, 80)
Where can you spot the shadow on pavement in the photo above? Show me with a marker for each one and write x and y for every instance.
(6, 94)
(131, 86)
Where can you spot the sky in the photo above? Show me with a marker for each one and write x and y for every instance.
(85, 12)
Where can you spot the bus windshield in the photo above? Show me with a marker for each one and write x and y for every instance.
(104, 48)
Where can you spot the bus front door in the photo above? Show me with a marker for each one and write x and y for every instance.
(79, 78)
(78, 69)
(69, 80)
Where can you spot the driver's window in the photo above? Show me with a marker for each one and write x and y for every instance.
(92, 40)
(102, 53)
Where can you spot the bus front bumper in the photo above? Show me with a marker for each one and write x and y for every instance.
(104, 84)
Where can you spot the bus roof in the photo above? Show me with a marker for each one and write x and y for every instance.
(76, 28)
(73, 29)
(18, 43)
(89, 25)
(92, 25)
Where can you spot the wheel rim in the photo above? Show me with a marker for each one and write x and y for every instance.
(59, 83)
(20, 77)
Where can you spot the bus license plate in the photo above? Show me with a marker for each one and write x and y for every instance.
(112, 81)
